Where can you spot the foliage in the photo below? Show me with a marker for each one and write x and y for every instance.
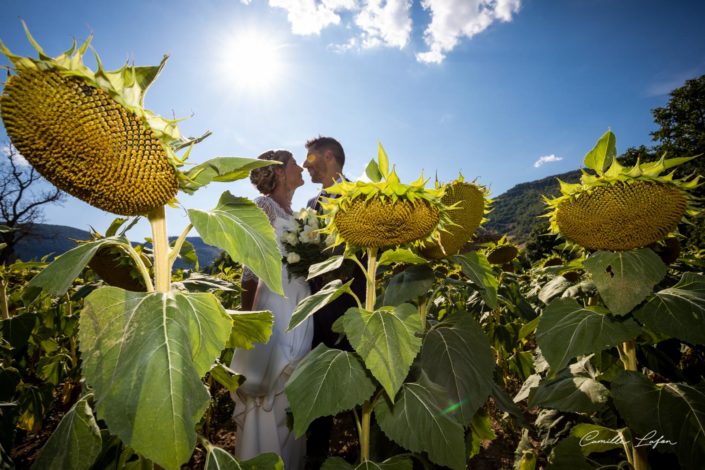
(144, 354)
(421, 365)
(602, 352)
(681, 132)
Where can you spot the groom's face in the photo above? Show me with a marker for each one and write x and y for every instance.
(316, 165)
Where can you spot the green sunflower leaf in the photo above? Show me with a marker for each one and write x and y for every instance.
(386, 340)
(567, 330)
(75, 443)
(144, 355)
(603, 154)
(625, 278)
(242, 229)
(314, 389)
(678, 311)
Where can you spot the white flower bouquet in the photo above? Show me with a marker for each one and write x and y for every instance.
(304, 243)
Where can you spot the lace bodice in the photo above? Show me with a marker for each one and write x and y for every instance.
(273, 211)
(271, 208)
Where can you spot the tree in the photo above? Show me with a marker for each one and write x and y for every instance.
(681, 133)
(21, 200)
(681, 122)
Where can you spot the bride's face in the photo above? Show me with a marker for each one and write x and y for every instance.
(291, 175)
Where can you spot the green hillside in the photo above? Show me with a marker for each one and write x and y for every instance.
(516, 211)
(53, 240)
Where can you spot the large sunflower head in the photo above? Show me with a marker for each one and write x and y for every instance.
(621, 208)
(469, 205)
(88, 133)
(383, 212)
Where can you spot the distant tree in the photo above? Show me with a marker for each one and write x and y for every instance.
(641, 153)
(681, 122)
(681, 133)
(21, 200)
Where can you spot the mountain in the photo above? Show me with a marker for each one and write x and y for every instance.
(516, 211)
(53, 240)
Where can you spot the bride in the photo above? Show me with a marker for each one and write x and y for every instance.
(260, 402)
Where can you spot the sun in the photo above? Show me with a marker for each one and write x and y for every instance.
(253, 62)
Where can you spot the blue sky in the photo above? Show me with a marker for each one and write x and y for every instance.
(486, 87)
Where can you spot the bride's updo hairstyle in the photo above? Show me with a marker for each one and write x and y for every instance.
(265, 178)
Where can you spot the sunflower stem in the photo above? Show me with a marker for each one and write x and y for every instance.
(4, 305)
(627, 353)
(371, 293)
(177, 246)
(370, 299)
(139, 264)
(160, 245)
(626, 444)
(423, 310)
(629, 356)
(362, 267)
(365, 431)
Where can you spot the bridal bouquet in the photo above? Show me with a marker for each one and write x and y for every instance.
(304, 243)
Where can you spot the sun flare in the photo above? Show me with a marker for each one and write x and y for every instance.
(253, 62)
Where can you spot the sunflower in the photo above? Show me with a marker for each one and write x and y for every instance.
(621, 208)
(469, 205)
(383, 213)
(88, 133)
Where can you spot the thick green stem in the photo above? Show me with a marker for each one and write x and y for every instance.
(365, 428)
(626, 444)
(423, 311)
(370, 299)
(4, 307)
(641, 461)
(628, 356)
(371, 292)
(160, 245)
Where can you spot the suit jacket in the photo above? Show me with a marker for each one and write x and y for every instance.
(323, 319)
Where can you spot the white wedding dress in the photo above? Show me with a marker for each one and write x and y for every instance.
(260, 403)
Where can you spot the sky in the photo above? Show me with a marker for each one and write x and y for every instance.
(504, 91)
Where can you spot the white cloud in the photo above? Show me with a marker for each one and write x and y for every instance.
(350, 45)
(452, 20)
(389, 23)
(10, 150)
(385, 23)
(340, 4)
(380, 22)
(311, 16)
(546, 159)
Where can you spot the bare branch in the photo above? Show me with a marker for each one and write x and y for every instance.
(23, 193)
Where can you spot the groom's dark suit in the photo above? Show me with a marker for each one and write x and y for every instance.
(323, 319)
(320, 430)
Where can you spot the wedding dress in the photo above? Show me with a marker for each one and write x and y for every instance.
(260, 403)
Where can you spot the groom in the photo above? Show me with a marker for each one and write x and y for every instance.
(324, 162)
